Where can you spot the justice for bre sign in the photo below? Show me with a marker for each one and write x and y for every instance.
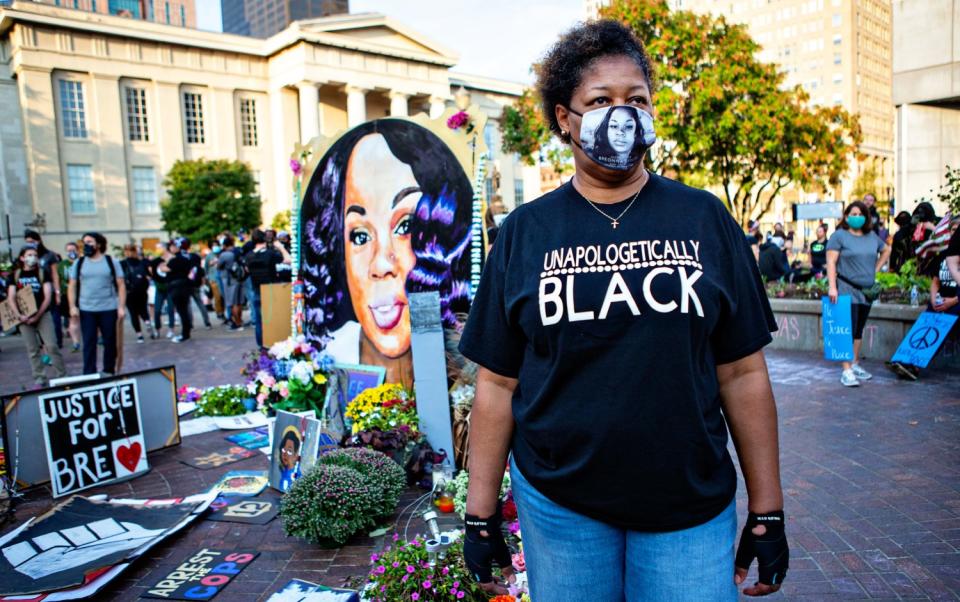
(93, 435)
(837, 330)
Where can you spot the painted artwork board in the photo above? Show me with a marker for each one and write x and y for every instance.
(275, 309)
(258, 510)
(298, 590)
(216, 459)
(241, 483)
(202, 575)
(294, 448)
(93, 435)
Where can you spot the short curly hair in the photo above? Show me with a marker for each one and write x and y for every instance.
(561, 70)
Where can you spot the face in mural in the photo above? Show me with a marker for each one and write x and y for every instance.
(380, 199)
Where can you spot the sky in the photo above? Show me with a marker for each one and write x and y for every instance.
(502, 40)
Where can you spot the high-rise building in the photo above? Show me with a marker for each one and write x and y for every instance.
(838, 50)
(169, 12)
(263, 19)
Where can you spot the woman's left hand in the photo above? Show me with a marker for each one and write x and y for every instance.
(947, 304)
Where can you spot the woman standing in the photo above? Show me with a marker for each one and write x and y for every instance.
(619, 324)
(97, 296)
(854, 255)
(136, 274)
(36, 328)
(818, 252)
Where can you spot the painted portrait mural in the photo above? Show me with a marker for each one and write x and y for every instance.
(386, 212)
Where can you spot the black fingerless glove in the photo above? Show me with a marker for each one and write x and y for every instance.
(770, 549)
(481, 552)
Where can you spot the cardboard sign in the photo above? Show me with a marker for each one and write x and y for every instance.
(258, 510)
(924, 338)
(215, 459)
(254, 439)
(93, 435)
(275, 310)
(294, 448)
(78, 546)
(241, 482)
(26, 303)
(298, 590)
(202, 576)
(837, 329)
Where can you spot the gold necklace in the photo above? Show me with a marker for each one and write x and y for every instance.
(615, 221)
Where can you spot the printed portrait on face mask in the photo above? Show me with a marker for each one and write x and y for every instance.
(386, 213)
(616, 137)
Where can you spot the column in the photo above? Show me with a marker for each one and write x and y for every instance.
(116, 200)
(280, 150)
(437, 106)
(309, 111)
(356, 105)
(398, 104)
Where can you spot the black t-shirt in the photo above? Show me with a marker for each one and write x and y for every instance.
(948, 287)
(773, 262)
(262, 265)
(179, 267)
(614, 336)
(32, 278)
(818, 255)
(953, 249)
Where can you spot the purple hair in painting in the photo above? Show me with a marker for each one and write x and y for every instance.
(440, 232)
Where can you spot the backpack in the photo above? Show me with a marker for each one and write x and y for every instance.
(237, 271)
(135, 277)
(113, 275)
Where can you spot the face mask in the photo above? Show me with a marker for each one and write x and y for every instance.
(216, 249)
(856, 221)
(88, 250)
(30, 261)
(616, 137)
(72, 255)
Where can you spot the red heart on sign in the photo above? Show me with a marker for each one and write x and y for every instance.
(129, 455)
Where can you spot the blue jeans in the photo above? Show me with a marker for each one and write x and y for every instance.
(572, 557)
(104, 323)
(161, 301)
(256, 315)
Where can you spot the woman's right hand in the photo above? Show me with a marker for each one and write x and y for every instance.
(74, 312)
(483, 546)
(833, 294)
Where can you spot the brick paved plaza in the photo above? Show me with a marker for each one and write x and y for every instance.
(871, 478)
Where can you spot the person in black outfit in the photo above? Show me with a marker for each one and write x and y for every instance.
(137, 278)
(901, 249)
(818, 252)
(261, 263)
(180, 288)
(195, 276)
(773, 261)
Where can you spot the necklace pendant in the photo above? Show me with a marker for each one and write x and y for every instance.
(614, 223)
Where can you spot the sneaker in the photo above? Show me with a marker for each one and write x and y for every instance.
(208, 327)
(235, 328)
(139, 338)
(75, 348)
(860, 373)
(849, 379)
(180, 339)
(169, 334)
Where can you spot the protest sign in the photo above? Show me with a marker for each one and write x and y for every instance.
(924, 338)
(294, 448)
(837, 330)
(215, 459)
(26, 304)
(93, 435)
(298, 590)
(242, 482)
(202, 576)
(258, 510)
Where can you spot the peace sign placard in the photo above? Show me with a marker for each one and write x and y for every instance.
(924, 338)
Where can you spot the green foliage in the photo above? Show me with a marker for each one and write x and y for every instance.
(949, 193)
(404, 569)
(281, 221)
(328, 504)
(385, 476)
(523, 127)
(204, 198)
(460, 484)
(868, 182)
(226, 400)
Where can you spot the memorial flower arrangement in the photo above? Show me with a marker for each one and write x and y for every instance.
(290, 376)
(387, 407)
(225, 400)
(348, 491)
(405, 571)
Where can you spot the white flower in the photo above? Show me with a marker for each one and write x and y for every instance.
(303, 372)
(282, 349)
(252, 388)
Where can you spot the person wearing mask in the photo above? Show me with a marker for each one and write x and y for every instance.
(870, 201)
(98, 296)
(778, 231)
(71, 255)
(49, 263)
(213, 278)
(177, 270)
(924, 221)
(754, 238)
(854, 256)
(245, 249)
(943, 299)
(261, 263)
(162, 303)
(196, 277)
(638, 502)
(901, 249)
(818, 252)
(36, 328)
(231, 273)
(136, 275)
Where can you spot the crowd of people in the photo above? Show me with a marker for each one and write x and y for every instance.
(87, 294)
(850, 258)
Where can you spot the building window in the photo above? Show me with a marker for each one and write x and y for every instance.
(837, 78)
(145, 190)
(488, 138)
(183, 16)
(256, 180)
(71, 106)
(518, 191)
(837, 58)
(837, 19)
(837, 40)
(166, 6)
(488, 188)
(137, 126)
(80, 189)
(248, 121)
(193, 116)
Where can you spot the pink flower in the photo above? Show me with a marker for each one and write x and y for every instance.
(410, 568)
(381, 569)
(261, 398)
(519, 563)
(514, 527)
(427, 584)
(458, 120)
(295, 167)
(460, 595)
(405, 577)
(414, 596)
(269, 380)
(445, 571)
(284, 391)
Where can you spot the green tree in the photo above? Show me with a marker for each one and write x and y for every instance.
(867, 182)
(723, 117)
(281, 221)
(523, 127)
(204, 198)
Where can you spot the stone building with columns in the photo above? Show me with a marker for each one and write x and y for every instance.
(96, 109)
